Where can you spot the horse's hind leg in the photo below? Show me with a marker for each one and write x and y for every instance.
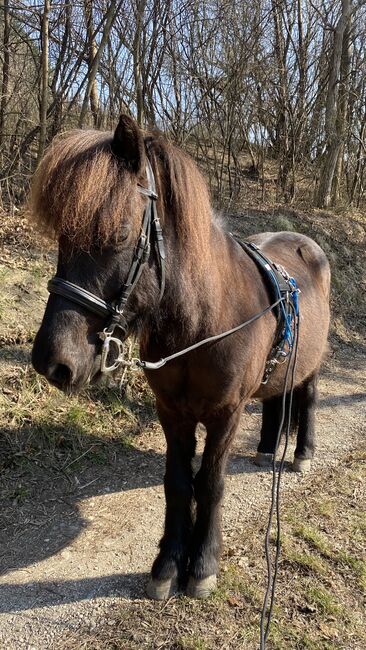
(170, 565)
(306, 396)
(271, 418)
(208, 490)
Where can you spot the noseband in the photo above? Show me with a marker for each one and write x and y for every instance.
(151, 234)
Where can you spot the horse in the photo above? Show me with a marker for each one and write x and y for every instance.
(92, 191)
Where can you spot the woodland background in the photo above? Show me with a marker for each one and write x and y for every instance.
(271, 91)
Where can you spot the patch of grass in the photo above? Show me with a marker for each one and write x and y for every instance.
(357, 566)
(117, 405)
(19, 494)
(323, 600)
(283, 223)
(314, 539)
(358, 528)
(306, 562)
(302, 558)
(39, 272)
(191, 643)
(327, 508)
(40, 426)
(305, 642)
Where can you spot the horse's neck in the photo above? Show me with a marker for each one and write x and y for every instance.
(203, 296)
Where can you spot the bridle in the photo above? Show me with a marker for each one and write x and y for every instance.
(150, 234)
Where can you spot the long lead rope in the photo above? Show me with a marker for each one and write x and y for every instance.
(150, 365)
(276, 491)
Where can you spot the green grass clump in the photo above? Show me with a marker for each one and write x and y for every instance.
(323, 600)
(314, 539)
(191, 643)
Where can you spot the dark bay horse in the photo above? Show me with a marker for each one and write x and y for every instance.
(89, 190)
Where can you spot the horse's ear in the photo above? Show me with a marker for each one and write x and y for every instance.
(128, 143)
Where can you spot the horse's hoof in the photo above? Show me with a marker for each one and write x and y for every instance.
(301, 465)
(201, 588)
(263, 460)
(161, 589)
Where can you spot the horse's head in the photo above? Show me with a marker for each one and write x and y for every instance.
(89, 189)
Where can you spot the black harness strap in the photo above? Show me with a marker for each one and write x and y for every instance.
(80, 296)
(284, 290)
(140, 257)
(156, 228)
(276, 281)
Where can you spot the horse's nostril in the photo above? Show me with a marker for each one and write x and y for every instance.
(60, 374)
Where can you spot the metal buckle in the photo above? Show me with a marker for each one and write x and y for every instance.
(108, 339)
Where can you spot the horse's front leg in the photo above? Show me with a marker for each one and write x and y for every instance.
(170, 566)
(209, 489)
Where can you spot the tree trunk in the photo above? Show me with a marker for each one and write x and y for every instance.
(5, 76)
(57, 93)
(140, 10)
(342, 113)
(361, 154)
(92, 51)
(282, 137)
(93, 68)
(44, 82)
(332, 132)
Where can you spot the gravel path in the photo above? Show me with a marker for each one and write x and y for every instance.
(67, 563)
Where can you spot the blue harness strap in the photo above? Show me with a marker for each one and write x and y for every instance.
(280, 285)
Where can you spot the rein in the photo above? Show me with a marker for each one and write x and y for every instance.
(136, 363)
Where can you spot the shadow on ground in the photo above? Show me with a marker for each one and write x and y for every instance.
(40, 513)
(23, 597)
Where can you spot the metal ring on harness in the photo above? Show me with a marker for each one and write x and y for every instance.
(109, 340)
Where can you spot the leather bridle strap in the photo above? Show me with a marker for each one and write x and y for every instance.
(80, 296)
(140, 257)
(157, 230)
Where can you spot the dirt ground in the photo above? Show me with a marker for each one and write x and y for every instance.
(83, 509)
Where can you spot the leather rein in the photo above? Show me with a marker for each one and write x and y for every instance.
(150, 234)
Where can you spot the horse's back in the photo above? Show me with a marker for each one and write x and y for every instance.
(296, 252)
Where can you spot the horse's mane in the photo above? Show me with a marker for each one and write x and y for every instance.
(81, 190)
